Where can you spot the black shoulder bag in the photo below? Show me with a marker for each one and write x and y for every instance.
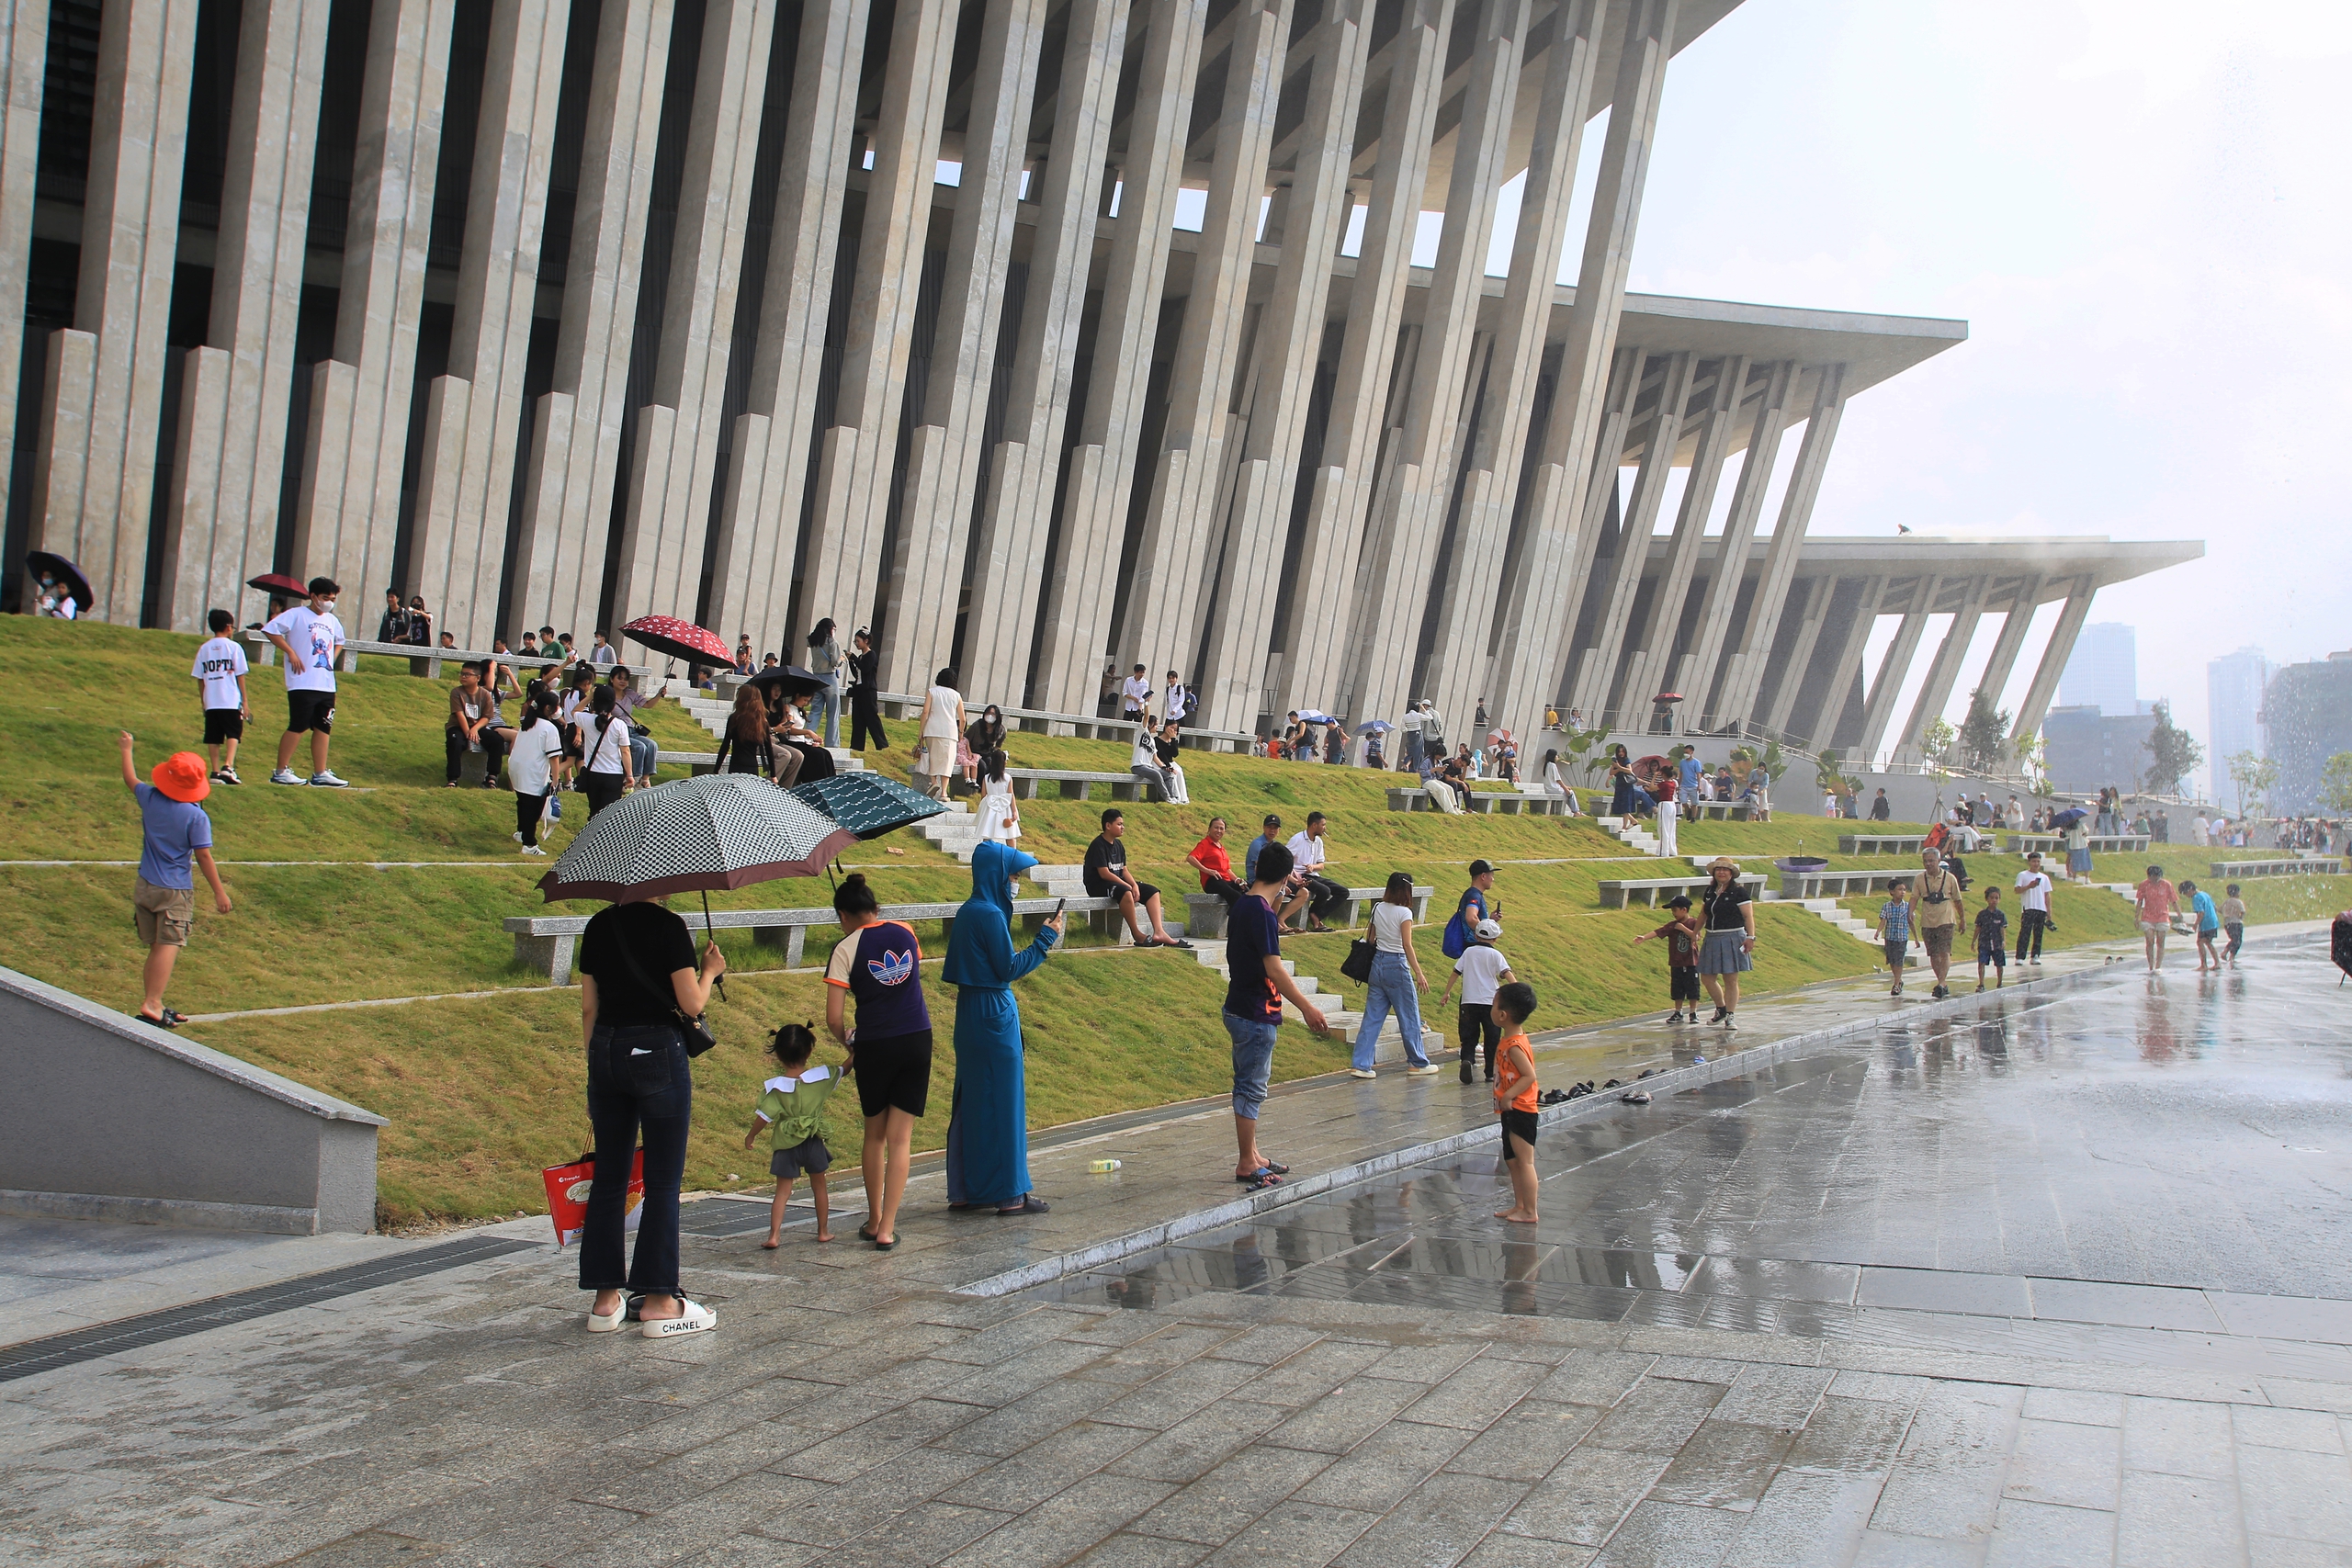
(697, 1030)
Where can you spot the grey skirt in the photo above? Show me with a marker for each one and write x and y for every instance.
(1722, 955)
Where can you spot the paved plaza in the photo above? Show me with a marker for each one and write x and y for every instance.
(2059, 1275)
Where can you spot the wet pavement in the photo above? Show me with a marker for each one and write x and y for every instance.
(2062, 1277)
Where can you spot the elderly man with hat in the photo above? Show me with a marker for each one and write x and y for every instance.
(174, 833)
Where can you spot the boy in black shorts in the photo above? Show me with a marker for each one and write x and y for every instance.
(1683, 935)
(1991, 940)
(1515, 1098)
(219, 676)
(879, 963)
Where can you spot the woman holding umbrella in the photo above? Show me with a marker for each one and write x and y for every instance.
(987, 1133)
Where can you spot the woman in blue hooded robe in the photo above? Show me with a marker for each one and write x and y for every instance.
(988, 1132)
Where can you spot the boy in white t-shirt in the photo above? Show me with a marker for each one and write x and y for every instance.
(1481, 969)
(219, 676)
(311, 639)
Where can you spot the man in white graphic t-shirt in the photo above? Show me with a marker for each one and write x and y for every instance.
(311, 639)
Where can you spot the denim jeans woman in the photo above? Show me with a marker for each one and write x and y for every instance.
(1396, 982)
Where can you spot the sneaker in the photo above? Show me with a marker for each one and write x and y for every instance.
(1465, 1073)
(227, 776)
(1720, 1015)
(534, 850)
(1730, 1024)
(1425, 1070)
(516, 837)
(1980, 984)
(285, 775)
(328, 781)
(1361, 1072)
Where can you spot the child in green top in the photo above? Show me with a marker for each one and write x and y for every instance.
(792, 1105)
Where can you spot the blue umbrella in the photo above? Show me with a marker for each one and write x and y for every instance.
(866, 804)
(2068, 818)
(1316, 716)
(1373, 727)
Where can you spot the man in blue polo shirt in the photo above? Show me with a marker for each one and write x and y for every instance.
(175, 831)
(1254, 994)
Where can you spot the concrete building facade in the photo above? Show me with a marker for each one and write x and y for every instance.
(1045, 336)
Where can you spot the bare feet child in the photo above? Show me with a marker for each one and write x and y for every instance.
(792, 1107)
(1515, 1092)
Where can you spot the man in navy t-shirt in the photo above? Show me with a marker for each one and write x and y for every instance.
(1253, 1008)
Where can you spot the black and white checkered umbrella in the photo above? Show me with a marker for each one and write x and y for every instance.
(720, 830)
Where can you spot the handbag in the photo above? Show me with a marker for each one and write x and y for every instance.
(1358, 967)
(568, 1187)
(697, 1030)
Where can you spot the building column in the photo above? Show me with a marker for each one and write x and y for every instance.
(1531, 664)
(1362, 386)
(24, 57)
(854, 456)
(1943, 672)
(1818, 594)
(926, 575)
(576, 426)
(1743, 676)
(94, 479)
(1620, 574)
(473, 414)
(2015, 622)
(1649, 640)
(1307, 222)
(220, 518)
(674, 468)
(1878, 715)
(2037, 696)
(1697, 674)
(767, 472)
(1466, 630)
(1408, 510)
(347, 517)
(1164, 594)
(1009, 543)
(1080, 591)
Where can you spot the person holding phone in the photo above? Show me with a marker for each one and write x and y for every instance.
(988, 1131)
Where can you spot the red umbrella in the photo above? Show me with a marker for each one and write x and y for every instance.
(679, 639)
(278, 583)
(1662, 698)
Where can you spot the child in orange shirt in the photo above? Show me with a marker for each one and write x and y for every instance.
(1515, 1092)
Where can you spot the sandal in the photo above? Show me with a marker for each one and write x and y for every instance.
(694, 1319)
(1258, 1180)
(1277, 1166)
(881, 1246)
(1030, 1204)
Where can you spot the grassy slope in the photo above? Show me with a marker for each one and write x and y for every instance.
(483, 1092)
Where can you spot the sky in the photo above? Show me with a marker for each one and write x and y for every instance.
(2141, 209)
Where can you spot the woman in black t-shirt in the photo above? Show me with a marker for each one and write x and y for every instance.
(638, 974)
(1728, 914)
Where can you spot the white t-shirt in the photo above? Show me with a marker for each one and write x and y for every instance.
(2201, 831)
(1306, 853)
(530, 762)
(1388, 926)
(605, 756)
(2033, 891)
(218, 664)
(315, 637)
(1481, 968)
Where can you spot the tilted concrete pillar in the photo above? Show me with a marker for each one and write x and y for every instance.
(1843, 651)
(1744, 672)
(675, 469)
(843, 567)
(473, 414)
(2061, 646)
(576, 426)
(1620, 574)
(1361, 393)
(1164, 591)
(1532, 660)
(2015, 622)
(347, 517)
(767, 470)
(1466, 628)
(1699, 673)
(1943, 670)
(1313, 217)
(24, 56)
(1650, 633)
(944, 452)
(1407, 511)
(229, 463)
(1008, 579)
(1894, 667)
(93, 478)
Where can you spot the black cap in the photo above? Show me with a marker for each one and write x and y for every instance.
(1480, 868)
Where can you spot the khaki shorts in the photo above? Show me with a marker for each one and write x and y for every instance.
(163, 915)
(1936, 940)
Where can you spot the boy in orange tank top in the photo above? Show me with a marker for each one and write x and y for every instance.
(1515, 1092)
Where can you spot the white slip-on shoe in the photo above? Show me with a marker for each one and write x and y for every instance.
(1427, 1069)
(696, 1319)
(600, 1324)
(1361, 1072)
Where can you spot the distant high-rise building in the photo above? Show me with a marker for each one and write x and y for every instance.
(2233, 684)
(2103, 671)
(2086, 750)
(2307, 713)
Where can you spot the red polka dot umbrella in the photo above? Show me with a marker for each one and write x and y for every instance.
(679, 639)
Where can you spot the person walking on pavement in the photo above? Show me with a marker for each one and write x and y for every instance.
(1937, 918)
(1481, 969)
(1395, 985)
(1727, 914)
(174, 833)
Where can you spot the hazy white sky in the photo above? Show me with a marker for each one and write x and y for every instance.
(2141, 209)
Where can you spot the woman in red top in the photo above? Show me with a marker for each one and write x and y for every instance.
(1215, 866)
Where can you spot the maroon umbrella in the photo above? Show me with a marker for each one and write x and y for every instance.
(679, 639)
(278, 583)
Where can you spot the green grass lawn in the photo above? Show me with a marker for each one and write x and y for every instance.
(482, 1092)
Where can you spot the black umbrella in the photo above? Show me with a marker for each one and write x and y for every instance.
(66, 572)
(689, 835)
(795, 680)
(868, 805)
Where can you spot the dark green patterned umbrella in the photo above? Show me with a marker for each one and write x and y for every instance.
(866, 804)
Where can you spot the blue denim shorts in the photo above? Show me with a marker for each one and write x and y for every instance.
(1253, 1062)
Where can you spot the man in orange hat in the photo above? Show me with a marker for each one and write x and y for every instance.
(176, 832)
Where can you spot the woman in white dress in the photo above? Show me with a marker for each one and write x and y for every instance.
(940, 727)
(999, 814)
(1557, 783)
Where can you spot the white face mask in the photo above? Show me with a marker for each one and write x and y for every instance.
(326, 607)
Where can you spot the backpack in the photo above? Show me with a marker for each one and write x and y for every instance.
(1458, 936)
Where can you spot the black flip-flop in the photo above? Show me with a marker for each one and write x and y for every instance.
(165, 1023)
(1030, 1204)
(1258, 1180)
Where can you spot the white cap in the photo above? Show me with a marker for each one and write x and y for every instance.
(1490, 931)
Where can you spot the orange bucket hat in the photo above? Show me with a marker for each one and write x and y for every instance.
(181, 776)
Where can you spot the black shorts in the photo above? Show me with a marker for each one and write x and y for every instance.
(310, 710)
(894, 1074)
(809, 1157)
(1145, 891)
(224, 724)
(1683, 982)
(1519, 1124)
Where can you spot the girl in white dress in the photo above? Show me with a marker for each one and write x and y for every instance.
(1000, 813)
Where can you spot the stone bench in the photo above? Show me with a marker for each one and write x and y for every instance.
(2055, 843)
(1078, 785)
(2224, 870)
(1205, 912)
(1716, 810)
(424, 662)
(1839, 884)
(1656, 890)
(1485, 803)
(549, 942)
(1881, 843)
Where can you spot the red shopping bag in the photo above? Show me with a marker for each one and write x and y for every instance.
(568, 1187)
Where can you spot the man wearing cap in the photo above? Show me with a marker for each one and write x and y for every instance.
(175, 831)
